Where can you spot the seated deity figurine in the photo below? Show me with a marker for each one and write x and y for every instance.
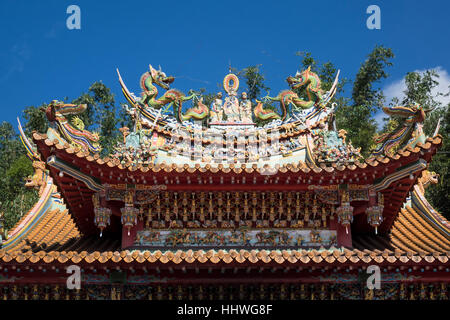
(246, 109)
(231, 107)
(216, 109)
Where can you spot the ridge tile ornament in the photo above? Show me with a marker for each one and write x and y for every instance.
(290, 100)
(171, 98)
(407, 133)
(73, 132)
(232, 111)
(225, 132)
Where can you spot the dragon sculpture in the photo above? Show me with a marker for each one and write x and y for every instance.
(198, 112)
(39, 178)
(171, 97)
(73, 132)
(288, 98)
(427, 178)
(407, 134)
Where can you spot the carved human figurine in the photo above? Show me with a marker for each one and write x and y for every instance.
(231, 107)
(216, 109)
(129, 197)
(246, 109)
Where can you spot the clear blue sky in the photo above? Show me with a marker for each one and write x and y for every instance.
(41, 60)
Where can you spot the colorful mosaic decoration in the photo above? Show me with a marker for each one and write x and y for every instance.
(330, 146)
(236, 238)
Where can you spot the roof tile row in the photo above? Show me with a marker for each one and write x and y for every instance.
(373, 162)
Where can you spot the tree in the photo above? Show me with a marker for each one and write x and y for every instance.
(439, 195)
(9, 149)
(14, 168)
(36, 119)
(357, 118)
(254, 81)
(419, 87)
(101, 115)
(419, 90)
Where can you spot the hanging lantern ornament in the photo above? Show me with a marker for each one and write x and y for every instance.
(129, 217)
(345, 211)
(374, 216)
(102, 215)
(129, 212)
(375, 213)
(102, 218)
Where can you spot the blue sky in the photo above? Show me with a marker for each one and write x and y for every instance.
(41, 60)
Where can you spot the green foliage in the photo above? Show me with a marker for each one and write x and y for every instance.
(10, 149)
(357, 118)
(254, 81)
(439, 195)
(102, 115)
(14, 168)
(370, 73)
(35, 119)
(418, 89)
(15, 208)
(17, 173)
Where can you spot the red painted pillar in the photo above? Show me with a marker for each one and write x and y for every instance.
(128, 240)
(343, 238)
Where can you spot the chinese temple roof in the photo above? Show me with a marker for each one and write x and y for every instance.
(390, 173)
(80, 191)
(54, 237)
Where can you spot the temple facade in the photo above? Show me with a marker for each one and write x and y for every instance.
(239, 199)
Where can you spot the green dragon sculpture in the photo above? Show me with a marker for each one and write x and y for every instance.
(171, 97)
(290, 98)
(74, 133)
(408, 133)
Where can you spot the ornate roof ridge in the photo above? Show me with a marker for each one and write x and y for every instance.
(373, 161)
